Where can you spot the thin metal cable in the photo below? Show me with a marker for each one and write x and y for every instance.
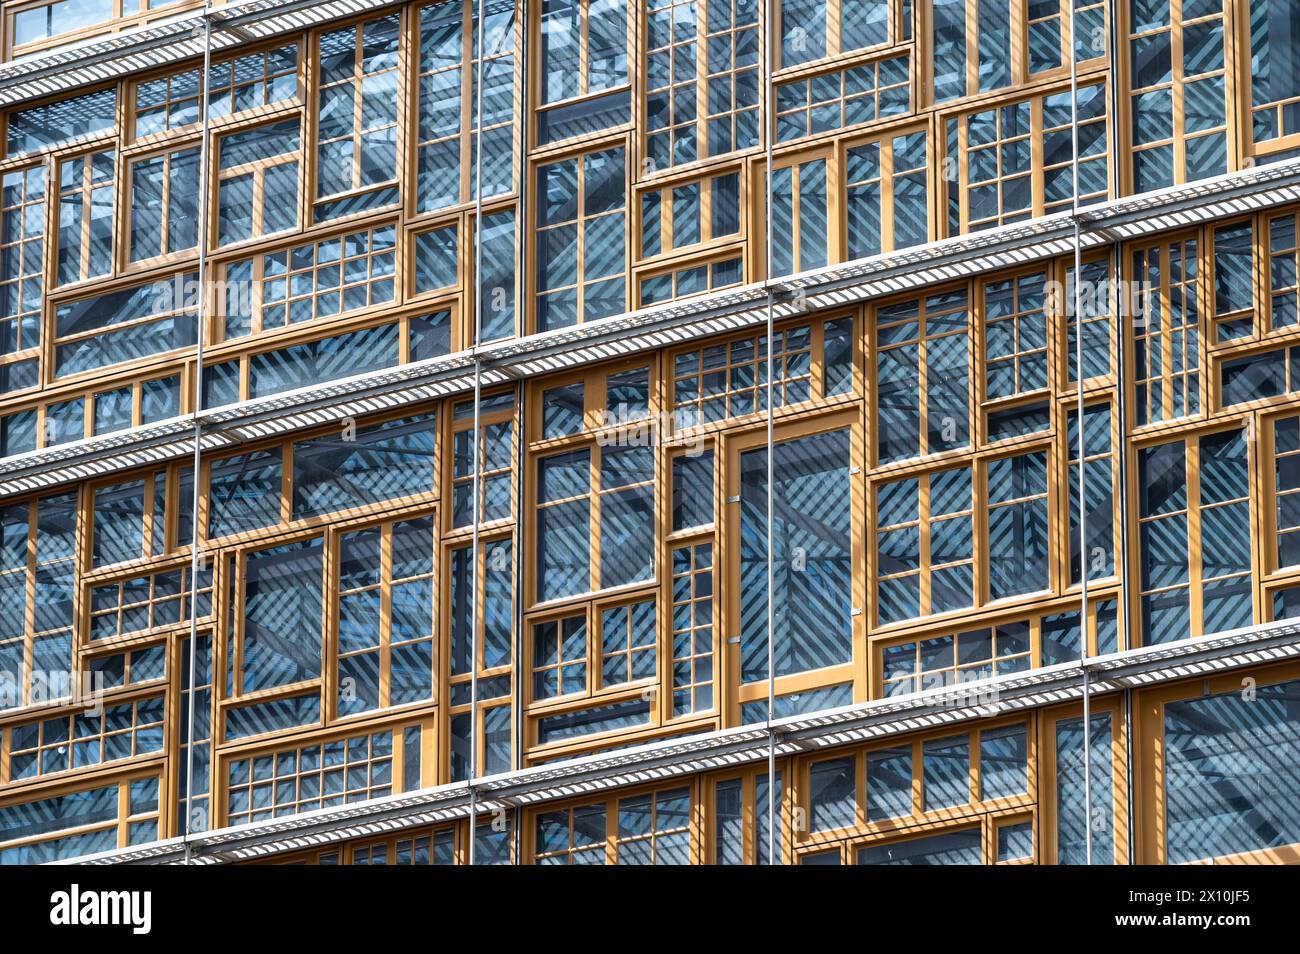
(771, 475)
(477, 139)
(1079, 411)
(201, 323)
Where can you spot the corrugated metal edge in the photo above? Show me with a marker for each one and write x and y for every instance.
(646, 329)
(672, 758)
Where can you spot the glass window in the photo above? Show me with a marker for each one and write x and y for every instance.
(949, 848)
(1018, 525)
(317, 280)
(1230, 773)
(55, 124)
(927, 340)
(1195, 492)
(1191, 87)
(843, 98)
(125, 325)
(244, 493)
(1015, 336)
(1166, 332)
(946, 778)
(692, 626)
(279, 630)
(390, 564)
(924, 545)
(22, 248)
(258, 182)
(357, 113)
(360, 466)
(164, 204)
(37, 576)
(811, 547)
(584, 46)
(1274, 74)
(811, 29)
(447, 169)
(654, 829)
(702, 64)
(889, 783)
(832, 794)
(1073, 818)
(693, 490)
(1004, 762)
(995, 184)
(581, 239)
(496, 285)
(61, 16)
(800, 222)
(1098, 479)
(86, 189)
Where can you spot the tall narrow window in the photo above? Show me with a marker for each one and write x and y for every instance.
(164, 204)
(581, 239)
(1098, 495)
(1195, 547)
(583, 47)
(702, 64)
(1019, 544)
(1166, 332)
(356, 151)
(448, 103)
(257, 182)
(22, 247)
(1274, 74)
(811, 545)
(800, 221)
(925, 540)
(385, 612)
(37, 576)
(1169, 88)
(85, 217)
(922, 376)
(1074, 815)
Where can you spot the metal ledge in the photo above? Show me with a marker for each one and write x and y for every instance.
(735, 309)
(677, 758)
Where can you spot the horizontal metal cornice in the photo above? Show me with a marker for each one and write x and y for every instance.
(681, 758)
(681, 322)
(75, 66)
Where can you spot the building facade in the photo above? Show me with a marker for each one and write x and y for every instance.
(805, 432)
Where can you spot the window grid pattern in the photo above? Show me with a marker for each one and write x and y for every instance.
(730, 380)
(146, 603)
(22, 249)
(581, 239)
(308, 777)
(357, 113)
(120, 731)
(86, 191)
(950, 660)
(1178, 96)
(1283, 266)
(315, 281)
(1015, 336)
(692, 625)
(843, 98)
(1166, 333)
(923, 341)
(924, 545)
(385, 612)
(628, 643)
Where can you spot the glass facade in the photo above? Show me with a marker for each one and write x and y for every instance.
(612, 551)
